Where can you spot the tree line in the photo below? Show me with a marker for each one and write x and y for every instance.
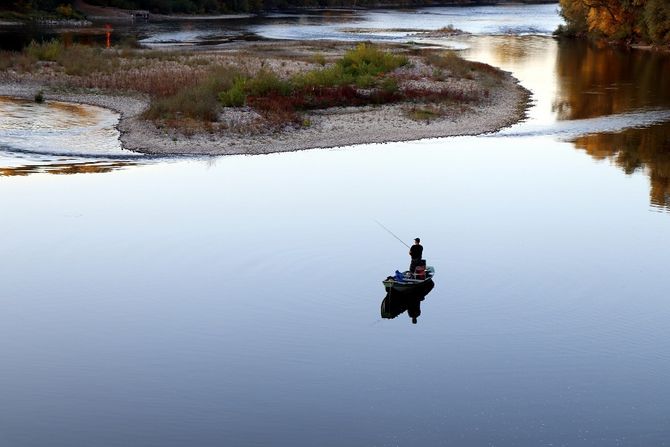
(624, 20)
(222, 6)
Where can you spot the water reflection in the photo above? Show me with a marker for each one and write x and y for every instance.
(18, 37)
(596, 80)
(634, 150)
(65, 168)
(601, 80)
(397, 302)
(610, 102)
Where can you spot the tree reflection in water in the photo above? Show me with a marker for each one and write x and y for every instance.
(634, 150)
(598, 80)
(397, 302)
(64, 168)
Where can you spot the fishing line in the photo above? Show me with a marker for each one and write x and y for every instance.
(391, 233)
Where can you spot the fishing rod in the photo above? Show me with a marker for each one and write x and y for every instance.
(391, 233)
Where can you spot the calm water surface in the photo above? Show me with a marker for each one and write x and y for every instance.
(341, 25)
(236, 300)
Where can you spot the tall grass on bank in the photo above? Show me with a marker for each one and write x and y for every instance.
(363, 76)
(279, 100)
(360, 66)
(76, 59)
(45, 51)
(124, 69)
(198, 101)
(451, 63)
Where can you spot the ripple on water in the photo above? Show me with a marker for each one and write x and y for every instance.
(58, 128)
(575, 128)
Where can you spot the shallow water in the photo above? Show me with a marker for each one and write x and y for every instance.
(236, 300)
(60, 138)
(59, 128)
(388, 25)
(385, 25)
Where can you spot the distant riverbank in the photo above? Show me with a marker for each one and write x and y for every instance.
(77, 10)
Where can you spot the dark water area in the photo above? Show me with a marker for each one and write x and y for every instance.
(15, 38)
(238, 300)
(193, 32)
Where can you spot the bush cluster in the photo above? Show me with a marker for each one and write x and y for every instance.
(363, 76)
(362, 67)
(647, 20)
(278, 100)
(75, 59)
(197, 101)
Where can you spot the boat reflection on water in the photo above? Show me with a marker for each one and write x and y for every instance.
(397, 302)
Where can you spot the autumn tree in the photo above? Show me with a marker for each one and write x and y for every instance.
(630, 20)
(657, 20)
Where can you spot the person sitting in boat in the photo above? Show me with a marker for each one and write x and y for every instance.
(415, 252)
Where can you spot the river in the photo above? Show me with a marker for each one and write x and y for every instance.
(236, 300)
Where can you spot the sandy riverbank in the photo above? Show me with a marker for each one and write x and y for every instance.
(329, 128)
(504, 105)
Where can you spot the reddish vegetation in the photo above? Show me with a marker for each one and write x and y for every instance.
(280, 109)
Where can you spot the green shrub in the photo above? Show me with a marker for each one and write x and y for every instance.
(360, 67)
(324, 77)
(365, 81)
(266, 82)
(368, 60)
(235, 96)
(45, 51)
(319, 58)
(389, 85)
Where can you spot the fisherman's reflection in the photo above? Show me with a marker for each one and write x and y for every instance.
(396, 302)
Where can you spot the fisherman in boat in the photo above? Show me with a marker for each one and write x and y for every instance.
(415, 252)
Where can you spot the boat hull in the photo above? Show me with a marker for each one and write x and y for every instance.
(409, 284)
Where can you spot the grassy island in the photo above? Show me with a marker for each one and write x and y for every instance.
(265, 97)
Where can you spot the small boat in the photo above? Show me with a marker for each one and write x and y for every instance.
(409, 281)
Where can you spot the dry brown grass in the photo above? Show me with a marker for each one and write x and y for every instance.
(6, 59)
(194, 100)
(185, 87)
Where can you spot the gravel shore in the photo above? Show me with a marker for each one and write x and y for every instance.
(336, 127)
